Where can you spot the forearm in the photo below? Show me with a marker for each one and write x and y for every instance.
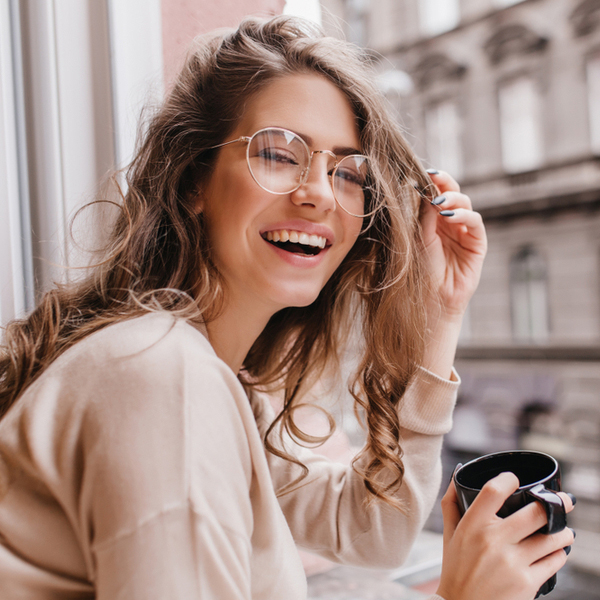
(441, 340)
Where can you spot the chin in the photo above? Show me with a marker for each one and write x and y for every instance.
(299, 299)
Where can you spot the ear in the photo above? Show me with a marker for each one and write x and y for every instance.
(198, 201)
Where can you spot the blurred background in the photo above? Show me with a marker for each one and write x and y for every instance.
(503, 94)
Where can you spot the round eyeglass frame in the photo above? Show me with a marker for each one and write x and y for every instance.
(305, 171)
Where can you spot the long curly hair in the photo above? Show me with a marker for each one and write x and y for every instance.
(158, 255)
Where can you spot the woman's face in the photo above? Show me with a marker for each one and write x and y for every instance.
(240, 215)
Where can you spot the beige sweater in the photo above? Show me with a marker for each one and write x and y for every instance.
(134, 469)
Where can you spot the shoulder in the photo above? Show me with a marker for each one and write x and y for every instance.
(152, 361)
(154, 344)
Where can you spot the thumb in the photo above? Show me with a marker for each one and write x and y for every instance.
(450, 512)
(428, 215)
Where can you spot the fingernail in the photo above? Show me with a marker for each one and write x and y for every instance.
(573, 499)
(438, 200)
(567, 550)
(456, 468)
(433, 171)
(573, 532)
(447, 213)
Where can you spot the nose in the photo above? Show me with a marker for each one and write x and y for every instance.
(316, 191)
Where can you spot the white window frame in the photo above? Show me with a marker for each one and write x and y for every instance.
(16, 280)
(137, 67)
(70, 109)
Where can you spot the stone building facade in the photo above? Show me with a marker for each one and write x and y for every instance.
(505, 95)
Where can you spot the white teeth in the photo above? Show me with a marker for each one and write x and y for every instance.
(296, 237)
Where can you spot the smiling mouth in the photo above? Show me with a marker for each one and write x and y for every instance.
(296, 242)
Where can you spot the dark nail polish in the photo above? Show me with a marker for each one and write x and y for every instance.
(567, 550)
(447, 213)
(438, 200)
(573, 499)
(573, 532)
(433, 171)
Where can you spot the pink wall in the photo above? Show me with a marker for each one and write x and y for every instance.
(182, 20)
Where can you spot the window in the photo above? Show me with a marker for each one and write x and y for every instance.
(520, 125)
(438, 16)
(529, 296)
(593, 81)
(443, 138)
(16, 277)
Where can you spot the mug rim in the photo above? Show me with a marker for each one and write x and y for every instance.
(507, 453)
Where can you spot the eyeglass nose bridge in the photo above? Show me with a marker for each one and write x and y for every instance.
(306, 170)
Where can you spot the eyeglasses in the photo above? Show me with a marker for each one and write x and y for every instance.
(279, 161)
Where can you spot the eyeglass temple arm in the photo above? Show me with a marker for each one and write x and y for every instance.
(244, 138)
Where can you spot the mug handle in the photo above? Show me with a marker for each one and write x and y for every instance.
(555, 509)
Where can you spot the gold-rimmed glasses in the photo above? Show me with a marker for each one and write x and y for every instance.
(279, 161)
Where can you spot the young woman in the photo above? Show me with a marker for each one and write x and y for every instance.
(272, 204)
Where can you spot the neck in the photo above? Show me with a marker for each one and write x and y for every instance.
(234, 331)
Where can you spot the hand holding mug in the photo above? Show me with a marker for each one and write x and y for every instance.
(488, 557)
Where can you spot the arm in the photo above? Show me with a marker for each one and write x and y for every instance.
(327, 513)
(456, 244)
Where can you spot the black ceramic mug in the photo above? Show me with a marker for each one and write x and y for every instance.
(539, 479)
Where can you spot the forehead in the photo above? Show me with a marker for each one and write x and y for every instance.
(309, 105)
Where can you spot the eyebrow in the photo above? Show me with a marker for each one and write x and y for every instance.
(337, 150)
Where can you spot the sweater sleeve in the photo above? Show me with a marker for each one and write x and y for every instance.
(163, 428)
(326, 512)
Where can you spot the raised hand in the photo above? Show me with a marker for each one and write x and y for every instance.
(456, 242)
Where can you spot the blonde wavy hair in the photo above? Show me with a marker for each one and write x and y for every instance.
(158, 256)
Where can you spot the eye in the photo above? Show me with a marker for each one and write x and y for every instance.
(349, 175)
(278, 155)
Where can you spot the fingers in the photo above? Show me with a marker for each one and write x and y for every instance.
(452, 200)
(540, 545)
(444, 181)
(567, 500)
(544, 568)
(527, 520)
(491, 498)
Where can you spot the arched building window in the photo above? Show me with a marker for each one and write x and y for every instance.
(529, 296)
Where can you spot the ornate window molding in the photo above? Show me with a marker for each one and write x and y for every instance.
(437, 67)
(586, 17)
(513, 40)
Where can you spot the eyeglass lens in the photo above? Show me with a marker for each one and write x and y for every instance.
(278, 160)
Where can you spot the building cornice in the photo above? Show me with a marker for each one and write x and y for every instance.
(425, 41)
(542, 353)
